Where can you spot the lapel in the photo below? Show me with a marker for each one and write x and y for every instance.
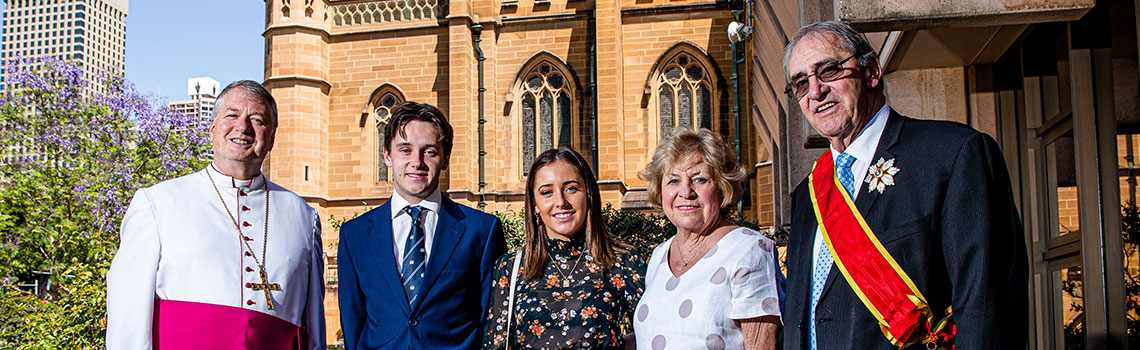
(882, 151)
(448, 232)
(867, 199)
(803, 240)
(380, 240)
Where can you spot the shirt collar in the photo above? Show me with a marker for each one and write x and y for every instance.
(565, 249)
(226, 182)
(863, 147)
(430, 203)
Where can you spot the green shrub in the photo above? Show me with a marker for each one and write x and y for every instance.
(642, 230)
(514, 228)
(83, 153)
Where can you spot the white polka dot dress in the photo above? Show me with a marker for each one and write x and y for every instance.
(735, 280)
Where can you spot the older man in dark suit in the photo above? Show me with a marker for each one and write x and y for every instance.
(905, 234)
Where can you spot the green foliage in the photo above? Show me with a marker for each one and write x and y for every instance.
(336, 222)
(514, 228)
(642, 230)
(75, 319)
(75, 159)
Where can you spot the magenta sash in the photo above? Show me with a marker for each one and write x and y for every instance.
(182, 325)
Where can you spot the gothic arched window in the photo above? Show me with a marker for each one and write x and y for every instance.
(547, 108)
(383, 101)
(684, 89)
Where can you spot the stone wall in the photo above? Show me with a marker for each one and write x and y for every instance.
(326, 60)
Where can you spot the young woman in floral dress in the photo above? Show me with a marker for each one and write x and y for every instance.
(575, 283)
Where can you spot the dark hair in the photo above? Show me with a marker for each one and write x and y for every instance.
(849, 39)
(253, 88)
(409, 111)
(599, 244)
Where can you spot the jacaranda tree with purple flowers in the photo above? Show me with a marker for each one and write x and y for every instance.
(75, 148)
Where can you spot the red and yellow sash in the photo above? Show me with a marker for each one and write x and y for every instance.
(883, 286)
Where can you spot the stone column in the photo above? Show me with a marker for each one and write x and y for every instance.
(611, 75)
(296, 73)
(463, 174)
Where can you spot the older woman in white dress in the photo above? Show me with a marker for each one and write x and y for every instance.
(713, 285)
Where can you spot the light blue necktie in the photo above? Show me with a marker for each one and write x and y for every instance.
(414, 253)
(823, 261)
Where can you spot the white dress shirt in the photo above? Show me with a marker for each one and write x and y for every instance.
(863, 149)
(178, 243)
(402, 224)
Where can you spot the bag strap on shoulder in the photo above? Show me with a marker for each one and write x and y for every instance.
(511, 296)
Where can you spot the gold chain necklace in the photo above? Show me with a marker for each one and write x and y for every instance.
(264, 286)
(685, 261)
(565, 277)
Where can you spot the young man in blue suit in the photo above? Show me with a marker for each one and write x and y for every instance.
(415, 273)
(901, 224)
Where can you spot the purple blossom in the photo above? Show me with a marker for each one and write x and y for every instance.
(95, 138)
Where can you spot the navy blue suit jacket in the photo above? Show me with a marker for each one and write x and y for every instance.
(950, 223)
(374, 312)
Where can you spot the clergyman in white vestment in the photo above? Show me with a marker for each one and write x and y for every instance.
(221, 258)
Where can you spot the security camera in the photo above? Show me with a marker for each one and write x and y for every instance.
(738, 32)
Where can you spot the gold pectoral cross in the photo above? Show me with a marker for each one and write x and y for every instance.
(265, 286)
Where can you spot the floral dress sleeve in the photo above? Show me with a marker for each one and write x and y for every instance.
(632, 279)
(495, 329)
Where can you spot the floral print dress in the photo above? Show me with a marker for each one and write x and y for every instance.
(568, 307)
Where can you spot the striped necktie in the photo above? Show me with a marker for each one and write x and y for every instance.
(414, 254)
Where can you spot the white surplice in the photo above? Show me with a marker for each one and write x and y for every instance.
(178, 243)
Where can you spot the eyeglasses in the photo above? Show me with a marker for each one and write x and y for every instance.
(826, 72)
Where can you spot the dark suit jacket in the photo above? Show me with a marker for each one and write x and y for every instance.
(949, 221)
(374, 312)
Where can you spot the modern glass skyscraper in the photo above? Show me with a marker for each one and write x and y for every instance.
(91, 32)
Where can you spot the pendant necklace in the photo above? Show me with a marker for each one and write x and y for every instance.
(264, 286)
(565, 277)
(689, 253)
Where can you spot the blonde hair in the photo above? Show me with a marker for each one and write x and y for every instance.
(681, 144)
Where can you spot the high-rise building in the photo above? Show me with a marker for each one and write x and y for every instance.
(203, 92)
(91, 32)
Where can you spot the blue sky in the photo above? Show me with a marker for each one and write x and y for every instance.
(170, 41)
